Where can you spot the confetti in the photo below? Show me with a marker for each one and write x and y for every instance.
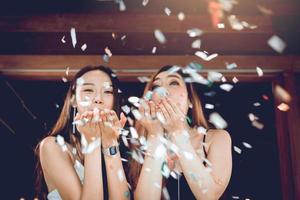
(60, 140)
(227, 87)
(105, 58)
(121, 175)
(209, 106)
(217, 120)
(277, 44)
(231, 66)
(133, 132)
(80, 81)
(259, 71)
(108, 52)
(235, 23)
(283, 107)
(194, 32)
(188, 155)
(196, 44)
(204, 56)
(181, 16)
(214, 76)
(64, 79)
(145, 2)
(154, 50)
(247, 145)
(89, 148)
(148, 95)
(143, 79)
(161, 91)
(166, 194)
(122, 6)
(165, 171)
(252, 117)
(264, 10)
(137, 115)
(133, 99)
(282, 94)
(63, 39)
(257, 125)
(256, 104)
(201, 130)
(235, 197)
(235, 80)
(236, 149)
(221, 25)
(73, 36)
(126, 109)
(160, 151)
(160, 36)
(83, 47)
(167, 11)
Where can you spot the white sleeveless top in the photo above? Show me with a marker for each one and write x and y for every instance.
(79, 168)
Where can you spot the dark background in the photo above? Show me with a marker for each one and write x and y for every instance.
(255, 171)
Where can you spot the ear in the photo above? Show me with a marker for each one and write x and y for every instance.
(73, 101)
(190, 104)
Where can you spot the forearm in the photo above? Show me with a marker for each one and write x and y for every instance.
(116, 178)
(150, 179)
(199, 178)
(92, 184)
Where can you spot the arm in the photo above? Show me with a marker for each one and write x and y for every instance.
(58, 167)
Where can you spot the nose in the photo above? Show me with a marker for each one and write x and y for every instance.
(98, 99)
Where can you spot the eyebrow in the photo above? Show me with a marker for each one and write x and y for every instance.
(169, 76)
(88, 84)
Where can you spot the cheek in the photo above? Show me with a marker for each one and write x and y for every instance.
(108, 102)
(180, 97)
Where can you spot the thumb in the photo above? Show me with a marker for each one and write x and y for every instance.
(123, 119)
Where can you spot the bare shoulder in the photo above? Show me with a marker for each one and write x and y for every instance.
(219, 136)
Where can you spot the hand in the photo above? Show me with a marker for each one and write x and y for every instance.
(149, 119)
(174, 120)
(110, 127)
(87, 124)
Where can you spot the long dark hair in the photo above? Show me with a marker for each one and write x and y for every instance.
(196, 115)
(63, 125)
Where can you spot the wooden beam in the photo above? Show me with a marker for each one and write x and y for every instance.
(130, 67)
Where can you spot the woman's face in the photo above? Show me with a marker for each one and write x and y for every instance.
(176, 88)
(94, 90)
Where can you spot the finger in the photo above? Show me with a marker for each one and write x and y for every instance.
(175, 108)
(163, 110)
(145, 105)
(168, 108)
(152, 109)
(123, 119)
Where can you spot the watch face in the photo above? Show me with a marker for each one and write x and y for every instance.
(113, 150)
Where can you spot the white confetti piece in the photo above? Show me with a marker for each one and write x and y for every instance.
(160, 152)
(194, 32)
(133, 132)
(105, 58)
(160, 36)
(256, 104)
(252, 117)
(196, 44)
(259, 71)
(188, 155)
(137, 115)
(283, 107)
(265, 10)
(235, 197)
(217, 120)
(227, 87)
(122, 6)
(153, 50)
(167, 11)
(202, 130)
(80, 81)
(257, 125)
(282, 94)
(85, 103)
(123, 37)
(214, 76)
(165, 171)
(73, 36)
(60, 140)
(231, 65)
(235, 23)
(235, 80)
(160, 117)
(125, 142)
(223, 79)
(247, 145)
(277, 44)
(209, 106)
(221, 25)
(83, 47)
(121, 175)
(181, 16)
(63, 39)
(108, 52)
(126, 109)
(161, 91)
(145, 2)
(133, 99)
(64, 79)
(143, 79)
(205, 56)
(89, 148)
(236, 149)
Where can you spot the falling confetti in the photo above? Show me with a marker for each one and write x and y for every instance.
(227, 87)
(256, 104)
(252, 117)
(217, 120)
(259, 71)
(167, 11)
(154, 50)
(145, 2)
(133, 132)
(237, 149)
(235, 80)
(204, 56)
(64, 79)
(73, 37)
(247, 145)
(133, 99)
(160, 36)
(214, 76)
(209, 106)
(126, 109)
(165, 171)
(264, 10)
(231, 65)
(194, 32)
(161, 91)
(83, 47)
(108, 52)
(277, 44)
(122, 6)
(283, 107)
(202, 130)
(196, 44)
(137, 115)
(181, 16)
(63, 39)
(221, 26)
(121, 175)
(257, 125)
(282, 94)
(105, 58)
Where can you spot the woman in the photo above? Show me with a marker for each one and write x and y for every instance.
(177, 146)
(69, 158)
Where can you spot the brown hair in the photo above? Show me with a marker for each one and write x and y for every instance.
(63, 125)
(196, 115)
